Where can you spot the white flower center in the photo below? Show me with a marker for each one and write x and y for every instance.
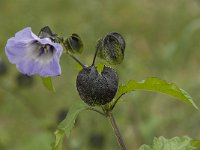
(42, 54)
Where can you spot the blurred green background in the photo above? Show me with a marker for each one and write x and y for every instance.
(162, 40)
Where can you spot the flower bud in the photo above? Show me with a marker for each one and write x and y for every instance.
(74, 44)
(111, 48)
(97, 88)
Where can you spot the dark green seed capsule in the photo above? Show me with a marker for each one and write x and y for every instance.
(97, 89)
(120, 39)
(111, 48)
(74, 44)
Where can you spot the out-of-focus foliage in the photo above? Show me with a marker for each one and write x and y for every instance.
(67, 124)
(162, 40)
(176, 143)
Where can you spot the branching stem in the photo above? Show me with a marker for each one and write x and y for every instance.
(78, 61)
(102, 113)
(70, 54)
(116, 130)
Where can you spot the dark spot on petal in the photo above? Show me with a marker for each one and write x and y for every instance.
(51, 49)
(46, 49)
(41, 51)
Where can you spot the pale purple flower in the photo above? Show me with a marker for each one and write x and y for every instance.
(34, 55)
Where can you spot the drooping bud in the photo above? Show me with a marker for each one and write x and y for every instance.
(74, 43)
(111, 48)
(97, 89)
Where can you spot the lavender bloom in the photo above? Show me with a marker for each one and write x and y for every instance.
(34, 55)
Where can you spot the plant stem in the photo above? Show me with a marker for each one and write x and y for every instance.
(95, 55)
(102, 113)
(77, 60)
(70, 54)
(116, 130)
(115, 102)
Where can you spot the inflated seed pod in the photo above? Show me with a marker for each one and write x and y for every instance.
(111, 48)
(120, 40)
(97, 88)
(74, 43)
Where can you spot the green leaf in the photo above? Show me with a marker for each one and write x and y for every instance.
(100, 68)
(48, 83)
(157, 85)
(57, 145)
(196, 143)
(65, 127)
(176, 143)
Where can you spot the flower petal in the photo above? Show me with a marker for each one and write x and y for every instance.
(24, 35)
(28, 67)
(28, 52)
(15, 50)
(32, 67)
(52, 68)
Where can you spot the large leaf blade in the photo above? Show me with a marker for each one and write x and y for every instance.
(65, 127)
(157, 85)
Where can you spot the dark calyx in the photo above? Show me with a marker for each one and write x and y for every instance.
(95, 88)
